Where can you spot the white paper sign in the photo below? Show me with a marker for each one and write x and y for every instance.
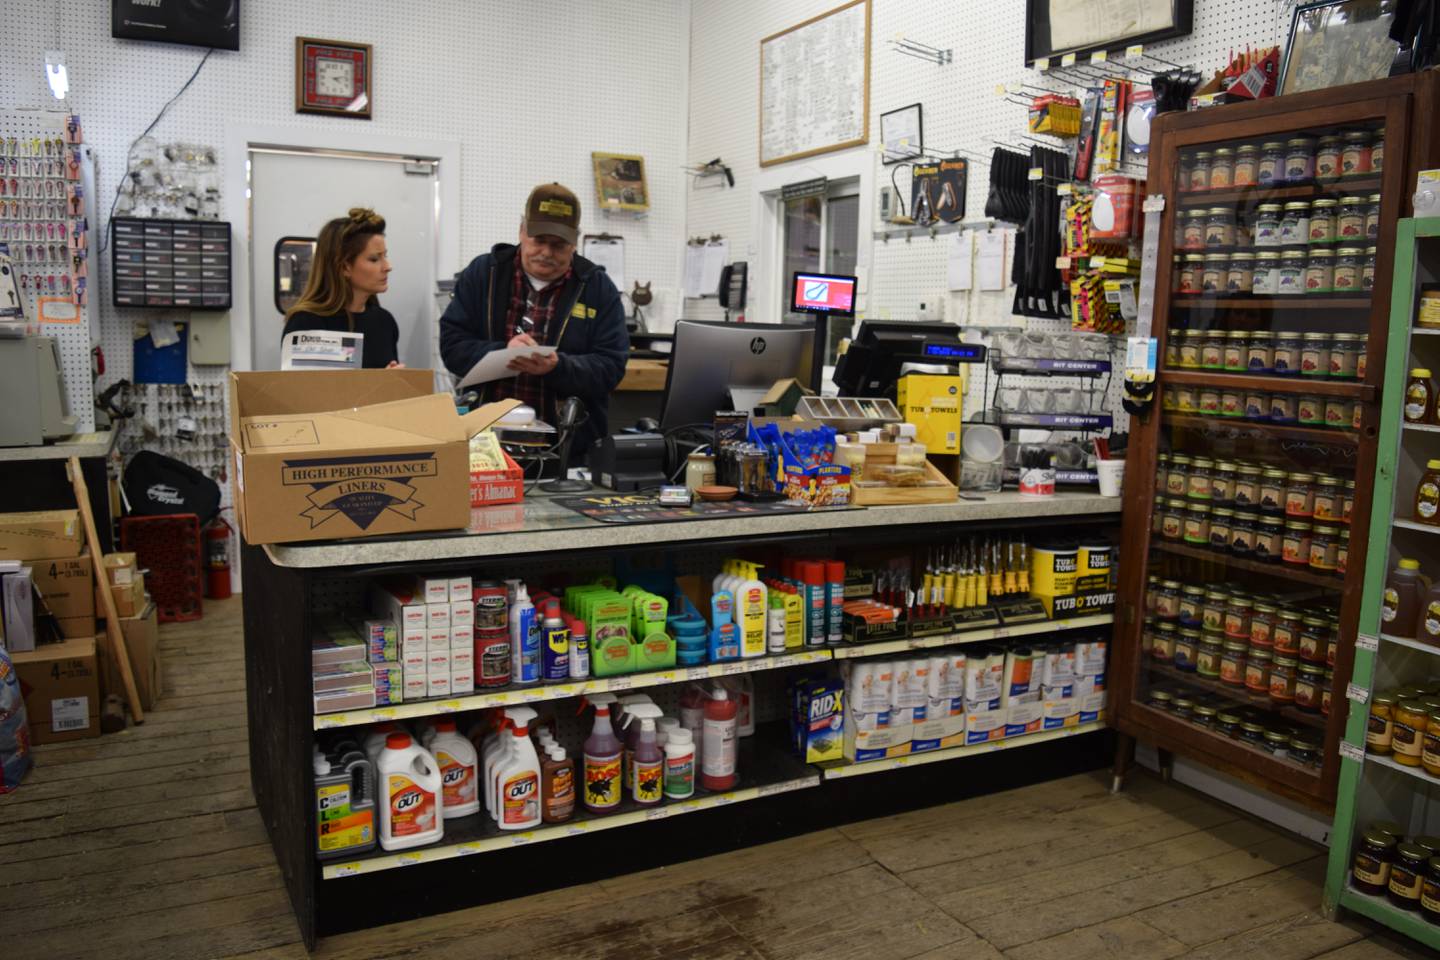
(960, 261)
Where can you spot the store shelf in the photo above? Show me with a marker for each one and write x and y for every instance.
(765, 770)
(842, 770)
(1281, 571)
(1408, 922)
(1420, 427)
(1418, 773)
(1255, 428)
(1241, 381)
(1200, 302)
(1048, 367)
(1417, 527)
(1420, 645)
(971, 636)
(559, 691)
(1239, 695)
(1423, 332)
(1344, 186)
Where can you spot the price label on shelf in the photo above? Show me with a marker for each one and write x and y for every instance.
(1068, 60)
(347, 870)
(730, 669)
(1037, 173)
(1065, 189)
(1042, 64)
(696, 673)
(621, 683)
(1100, 56)
(1367, 641)
(409, 859)
(1135, 51)
(575, 829)
(659, 813)
(448, 706)
(1357, 693)
(521, 838)
(332, 720)
(1351, 751)
(467, 848)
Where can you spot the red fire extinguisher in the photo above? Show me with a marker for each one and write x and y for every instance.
(217, 559)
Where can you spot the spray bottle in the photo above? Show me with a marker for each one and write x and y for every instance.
(717, 770)
(630, 735)
(692, 715)
(517, 777)
(579, 649)
(459, 778)
(602, 758)
(647, 761)
(812, 574)
(554, 645)
(775, 621)
(524, 639)
(835, 599)
(724, 639)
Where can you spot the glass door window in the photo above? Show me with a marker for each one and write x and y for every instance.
(821, 235)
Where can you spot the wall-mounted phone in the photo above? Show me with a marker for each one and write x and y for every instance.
(734, 285)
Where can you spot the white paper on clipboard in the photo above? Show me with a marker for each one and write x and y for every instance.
(495, 365)
(608, 252)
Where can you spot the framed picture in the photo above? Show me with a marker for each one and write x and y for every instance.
(1334, 42)
(334, 77)
(620, 182)
(902, 134)
(1056, 27)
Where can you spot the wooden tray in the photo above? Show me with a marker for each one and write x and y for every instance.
(885, 496)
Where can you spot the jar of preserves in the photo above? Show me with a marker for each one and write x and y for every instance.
(1367, 271)
(1273, 482)
(1267, 225)
(1320, 272)
(1257, 670)
(1325, 549)
(1296, 548)
(1430, 891)
(1370, 869)
(1277, 741)
(1232, 403)
(1259, 352)
(1325, 691)
(1419, 401)
(1283, 671)
(1212, 279)
(1265, 278)
(1269, 534)
(1287, 351)
(1257, 405)
(1227, 723)
(1285, 636)
(1377, 151)
(1309, 681)
(1342, 554)
(1348, 261)
(1291, 280)
(1237, 617)
(1172, 519)
(1187, 646)
(1322, 221)
(1262, 624)
(1200, 170)
(1222, 168)
(1185, 399)
(1172, 347)
(1295, 223)
(1299, 159)
(1407, 738)
(1430, 751)
(1304, 749)
(1327, 158)
(1210, 401)
(1247, 166)
(1232, 664)
(1380, 727)
(1220, 227)
(1310, 410)
(1162, 646)
(1203, 715)
(1236, 341)
(1347, 506)
(1183, 707)
(1338, 412)
(1178, 479)
(1272, 162)
(1407, 875)
(1350, 222)
(1212, 612)
(1247, 485)
(1152, 584)
(1222, 483)
(1192, 599)
(1252, 734)
(1329, 497)
(1198, 483)
(1345, 350)
(1300, 495)
(1167, 600)
(1372, 217)
(1314, 637)
(1242, 533)
(1192, 267)
(1161, 699)
(1207, 659)
(1355, 155)
(1220, 520)
(1192, 230)
(1240, 274)
(1212, 349)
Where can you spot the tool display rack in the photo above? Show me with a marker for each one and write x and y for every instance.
(1403, 107)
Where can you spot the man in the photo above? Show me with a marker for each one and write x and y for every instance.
(541, 293)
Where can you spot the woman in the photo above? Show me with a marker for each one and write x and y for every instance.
(349, 270)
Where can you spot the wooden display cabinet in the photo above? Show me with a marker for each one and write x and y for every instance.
(1224, 416)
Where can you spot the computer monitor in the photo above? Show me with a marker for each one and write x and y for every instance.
(826, 293)
(871, 366)
(730, 366)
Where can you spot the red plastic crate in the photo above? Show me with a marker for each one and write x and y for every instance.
(168, 548)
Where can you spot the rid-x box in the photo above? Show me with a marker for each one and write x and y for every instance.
(818, 721)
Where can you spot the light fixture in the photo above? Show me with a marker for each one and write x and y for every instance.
(56, 73)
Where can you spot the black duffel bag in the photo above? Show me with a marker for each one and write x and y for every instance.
(155, 484)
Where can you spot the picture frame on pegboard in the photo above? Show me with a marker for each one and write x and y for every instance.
(334, 78)
(1057, 27)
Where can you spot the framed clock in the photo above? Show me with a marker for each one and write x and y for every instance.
(333, 77)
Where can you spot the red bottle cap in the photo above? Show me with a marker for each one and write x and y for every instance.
(552, 609)
(445, 726)
(812, 573)
(835, 571)
(397, 741)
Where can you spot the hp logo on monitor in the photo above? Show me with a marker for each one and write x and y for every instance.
(757, 346)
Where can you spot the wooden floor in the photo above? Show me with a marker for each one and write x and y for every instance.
(147, 844)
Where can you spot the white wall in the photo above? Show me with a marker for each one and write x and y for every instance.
(527, 93)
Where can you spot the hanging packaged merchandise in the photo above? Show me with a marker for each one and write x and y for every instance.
(950, 198)
(1039, 291)
(1008, 198)
(1055, 114)
(1115, 207)
(1089, 131)
(924, 192)
(1137, 123)
(1114, 103)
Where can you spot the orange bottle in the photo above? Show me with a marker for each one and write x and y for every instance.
(1427, 495)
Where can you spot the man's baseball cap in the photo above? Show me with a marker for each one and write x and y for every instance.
(553, 209)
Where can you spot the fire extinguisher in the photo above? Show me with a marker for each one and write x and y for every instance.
(217, 559)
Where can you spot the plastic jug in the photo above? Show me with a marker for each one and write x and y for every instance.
(1402, 600)
(413, 813)
(344, 805)
(459, 776)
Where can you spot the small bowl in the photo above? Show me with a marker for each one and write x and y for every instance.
(716, 494)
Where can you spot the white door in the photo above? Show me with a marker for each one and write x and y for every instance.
(293, 193)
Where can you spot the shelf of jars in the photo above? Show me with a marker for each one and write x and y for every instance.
(1361, 186)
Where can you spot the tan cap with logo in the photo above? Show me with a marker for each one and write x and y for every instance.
(553, 209)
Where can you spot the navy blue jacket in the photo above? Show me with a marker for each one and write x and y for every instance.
(592, 341)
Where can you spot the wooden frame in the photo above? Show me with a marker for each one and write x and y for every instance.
(885, 158)
(864, 136)
(1181, 23)
(1286, 76)
(610, 189)
(363, 59)
(1400, 104)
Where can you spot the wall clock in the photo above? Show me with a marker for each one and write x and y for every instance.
(333, 77)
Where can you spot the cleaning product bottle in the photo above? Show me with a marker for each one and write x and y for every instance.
(775, 622)
(717, 770)
(647, 761)
(812, 574)
(524, 639)
(459, 778)
(724, 640)
(579, 649)
(413, 813)
(629, 735)
(517, 778)
(344, 805)
(557, 786)
(679, 764)
(794, 617)
(603, 752)
(554, 645)
(375, 739)
(742, 690)
(835, 601)
(750, 615)
(692, 715)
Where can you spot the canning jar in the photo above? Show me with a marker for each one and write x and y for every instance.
(1232, 664)
(1337, 412)
(1193, 230)
(1200, 170)
(1288, 352)
(1348, 261)
(1257, 670)
(1347, 506)
(1269, 537)
(1262, 625)
(1161, 699)
(1220, 227)
(1329, 495)
(1183, 707)
(1300, 495)
(1210, 401)
(1222, 168)
(1167, 600)
(1327, 158)
(1198, 481)
(1285, 635)
(1178, 479)
(1212, 346)
(1296, 549)
(1355, 155)
(1272, 162)
(1162, 467)
(1267, 225)
(1284, 408)
(1240, 274)
(1304, 749)
(1380, 728)
(1266, 273)
(1232, 403)
(1252, 733)
(1350, 223)
(1407, 875)
(1162, 646)
(1187, 645)
(1430, 891)
(1295, 222)
(1314, 639)
(1207, 658)
(1188, 349)
(1370, 869)
(1242, 533)
(1203, 715)
(1227, 723)
(1322, 221)
(1237, 617)
(1309, 681)
(1377, 151)
(1345, 351)
(1325, 691)
(1192, 599)
(1315, 351)
(1320, 272)
(1222, 483)
(1272, 490)
(1247, 166)
(1291, 280)
(1220, 520)
(1407, 739)
(1259, 350)
(1430, 752)
(1310, 410)
(1372, 217)
(1342, 554)
(1282, 680)
(1325, 549)
(1212, 611)
(1277, 741)
(1299, 159)
(1172, 347)
(1247, 485)
(1367, 270)
(1172, 519)
(1191, 270)
(1152, 584)
(1257, 405)
(1212, 278)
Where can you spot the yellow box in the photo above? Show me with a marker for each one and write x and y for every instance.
(1053, 571)
(935, 404)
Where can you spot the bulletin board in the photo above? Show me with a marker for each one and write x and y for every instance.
(815, 85)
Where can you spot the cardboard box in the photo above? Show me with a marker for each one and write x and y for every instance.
(41, 535)
(121, 569)
(67, 585)
(61, 685)
(17, 602)
(142, 643)
(933, 403)
(76, 628)
(321, 454)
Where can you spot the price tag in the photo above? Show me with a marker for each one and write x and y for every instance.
(347, 870)
(1037, 173)
(696, 673)
(575, 829)
(1205, 100)
(567, 690)
(385, 713)
(1135, 51)
(1100, 56)
(1154, 203)
(332, 720)
(1068, 60)
(664, 676)
(770, 789)
(1002, 632)
(621, 683)
(1367, 641)
(723, 800)
(506, 697)
(409, 859)
(690, 806)
(521, 839)
(1065, 189)
(531, 696)
(467, 848)
(659, 813)
(730, 669)
(1352, 751)
(1357, 693)
(1000, 90)
(1042, 64)
(448, 706)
